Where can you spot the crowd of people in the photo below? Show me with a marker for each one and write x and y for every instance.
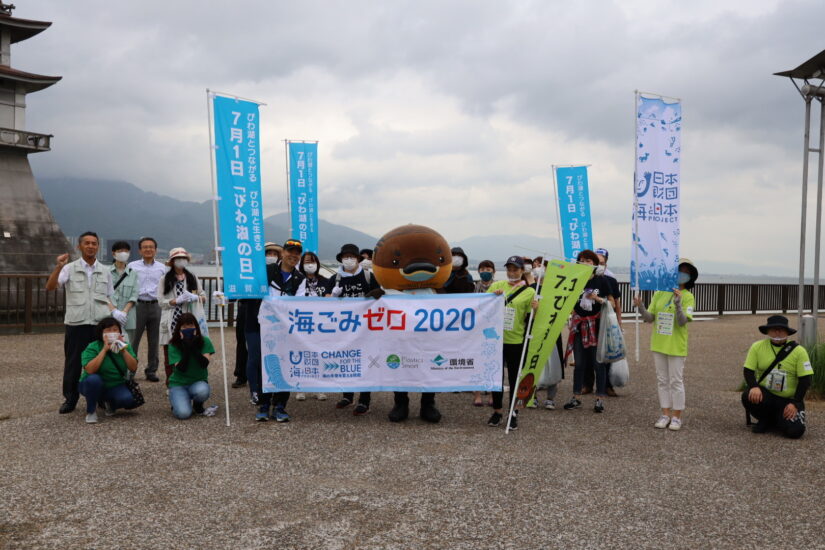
(110, 308)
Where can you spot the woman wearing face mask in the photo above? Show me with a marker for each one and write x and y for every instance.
(125, 283)
(519, 297)
(670, 312)
(366, 258)
(584, 334)
(179, 292)
(486, 274)
(538, 269)
(106, 362)
(314, 285)
(460, 280)
(189, 354)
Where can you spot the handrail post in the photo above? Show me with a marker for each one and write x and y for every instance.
(754, 298)
(720, 298)
(27, 311)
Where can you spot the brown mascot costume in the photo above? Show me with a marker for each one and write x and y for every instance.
(412, 259)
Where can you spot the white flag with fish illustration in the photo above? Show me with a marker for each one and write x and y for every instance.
(657, 186)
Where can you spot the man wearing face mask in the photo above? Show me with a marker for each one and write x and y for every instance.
(351, 281)
(486, 273)
(147, 309)
(125, 284)
(778, 374)
(284, 280)
(366, 259)
(460, 280)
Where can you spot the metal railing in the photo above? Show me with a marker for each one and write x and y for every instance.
(26, 305)
(25, 140)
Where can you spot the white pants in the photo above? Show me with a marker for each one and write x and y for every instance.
(669, 376)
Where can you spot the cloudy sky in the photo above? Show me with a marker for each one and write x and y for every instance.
(445, 113)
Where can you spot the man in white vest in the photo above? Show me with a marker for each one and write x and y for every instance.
(89, 291)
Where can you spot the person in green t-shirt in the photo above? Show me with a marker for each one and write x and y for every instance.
(519, 297)
(670, 312)
(106, 361)
(189, 354)
(775, 396)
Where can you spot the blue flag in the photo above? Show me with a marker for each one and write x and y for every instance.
(303, 193)
(574, 210)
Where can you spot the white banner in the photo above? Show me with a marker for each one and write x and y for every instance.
(437, 343)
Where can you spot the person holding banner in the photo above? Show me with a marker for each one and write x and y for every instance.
(314, 285)
(351, 281)
(584, 334)
(284, 280)
(460, 280)
(486, 275)
(670, 312)
(518, 299)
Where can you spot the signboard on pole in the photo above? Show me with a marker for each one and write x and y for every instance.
(240, 208)
(574, 210)
(438, 343)
(303, 193)
(657, 188)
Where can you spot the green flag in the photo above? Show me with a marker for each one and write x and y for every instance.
(562, 285)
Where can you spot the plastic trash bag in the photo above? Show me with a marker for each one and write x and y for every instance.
(619, 373)
(611, 346)
(551, 375)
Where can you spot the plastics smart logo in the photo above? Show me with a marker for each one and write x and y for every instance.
(393, 361)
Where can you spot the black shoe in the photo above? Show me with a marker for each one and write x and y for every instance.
(399, 413)
(760, 427)
(343, 403)
(67, 407)
(572, 404)
(360, 409)
(152, 377)
(197, 408)
(429, 413)
(495, 419)
(599, 406)
(514, 421)
(239, 383)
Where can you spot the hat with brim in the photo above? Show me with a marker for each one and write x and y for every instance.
(517, 261)
(272, 246)
(293, 244)
(777, 321)
(175, 253)
(347, 249)
(694, 273)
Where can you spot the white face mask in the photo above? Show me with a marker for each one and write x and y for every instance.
(310, 268)
(271, 260)
(349, 263)
(513, 279)
(121, 256)
(538, 272)
(780, 340)
(457, 261)
(181, 262)
(600, 270)
(366, 263)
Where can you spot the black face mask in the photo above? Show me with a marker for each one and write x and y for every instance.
(187, 333)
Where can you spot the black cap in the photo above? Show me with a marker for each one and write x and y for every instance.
(293, 243)
(517, 261)
(348, 249)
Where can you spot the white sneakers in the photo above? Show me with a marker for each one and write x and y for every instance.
(303, 396)
(665, 421)
(300, 397)
(321, 397)
(91, 418)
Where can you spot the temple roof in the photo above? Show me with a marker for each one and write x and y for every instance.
(29, 81)
(21, 29)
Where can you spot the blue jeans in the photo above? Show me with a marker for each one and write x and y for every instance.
(586, 359)
(182, 397)
(253, 374)
(92, 389)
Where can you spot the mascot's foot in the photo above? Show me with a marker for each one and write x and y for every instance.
(430, 413)
(399, 413)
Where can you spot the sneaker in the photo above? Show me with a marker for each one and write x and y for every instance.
(239, 383)
(759, 428)
(321, 397)
(152, 377)
(514, 421)
(360, 410)
(662, 423)
(108, 408)
(253, 398)
(210, 411)
(280, 414)
(550, 405)
(533, 404)
(91, 418)
(599, 406)
(301, 397)
(675, 424)
(572, 404)
(343, 403)
(197, 408)
(261, 416)
(66, 407)
(495, 420)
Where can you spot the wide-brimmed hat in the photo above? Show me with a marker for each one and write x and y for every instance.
(178, 252)
(694, 273)
(347, 249)
(517, 261)
(777, 321)
(272, 246)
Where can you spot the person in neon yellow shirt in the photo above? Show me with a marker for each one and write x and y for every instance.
(670, 312)
(775, 396)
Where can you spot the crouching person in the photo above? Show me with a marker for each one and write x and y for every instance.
(105, 364)
(189, 354)
(778, 374)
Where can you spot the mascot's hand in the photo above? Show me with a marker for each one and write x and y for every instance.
(377, 293)
(336, 291)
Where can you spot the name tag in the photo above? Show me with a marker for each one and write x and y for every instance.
(664, 323)
(776, 380)
(509, 318)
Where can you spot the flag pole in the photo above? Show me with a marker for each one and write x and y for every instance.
(288, 193)
(218, 249)
(635, 250)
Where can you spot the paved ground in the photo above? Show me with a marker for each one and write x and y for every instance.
(565, 479)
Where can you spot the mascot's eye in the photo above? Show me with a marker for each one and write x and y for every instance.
(395, 263)
(441, 259)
